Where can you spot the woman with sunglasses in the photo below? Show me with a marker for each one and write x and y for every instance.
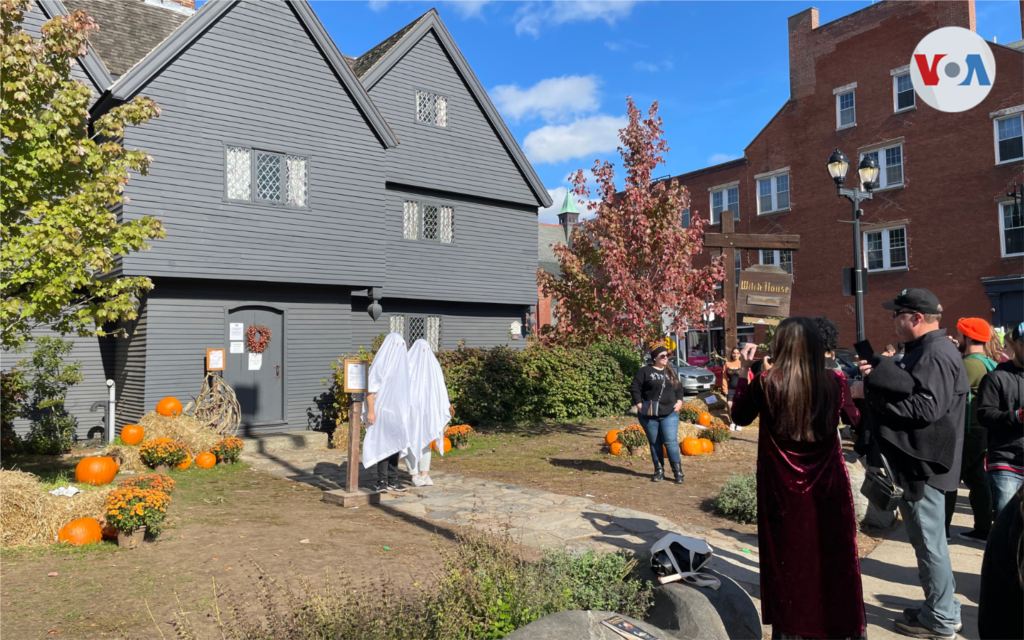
(658, 396)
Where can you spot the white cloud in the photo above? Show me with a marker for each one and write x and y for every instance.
(584, 137)
(719, 158)
(466, 8)
(550, 214)
(554, 99)
(652, 67)
(531, 17)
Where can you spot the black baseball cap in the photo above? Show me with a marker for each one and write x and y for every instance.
(919, 300)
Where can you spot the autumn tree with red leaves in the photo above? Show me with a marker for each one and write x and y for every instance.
(632, 264)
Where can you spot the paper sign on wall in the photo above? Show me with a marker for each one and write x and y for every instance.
(214, 359)
(255, 361)
(355, 376)
(237, 329)
(237, 347)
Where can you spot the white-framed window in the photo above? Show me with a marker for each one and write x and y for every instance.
(778, 257)
(418, 326)
(773, 194)
(265, 176)
(397, 324)
(738, 264)
(1011, 228)
(903, 93)
(722, 200)
(427, 221)
(1009, 133)
(885, 249)
(432, 108)
(846, 109)
(685, 218)
(890, 165)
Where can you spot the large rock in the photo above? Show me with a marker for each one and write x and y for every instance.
(697, 612)
(582, 625)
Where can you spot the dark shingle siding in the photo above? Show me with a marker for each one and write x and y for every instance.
(366, 61)
(128, 30)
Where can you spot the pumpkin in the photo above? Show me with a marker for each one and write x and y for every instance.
(615, 448)
(132, 434)
(206, 460)
(611, 436)
(704, 419)
(169, 407)
(447, 445)
(184, 464)
(81, 531)
(706, 445)
(691, 447)
(96, 470)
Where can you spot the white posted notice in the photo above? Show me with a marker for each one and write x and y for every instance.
(237, 347)
(255, 361)
(237, 329)
(355, 376)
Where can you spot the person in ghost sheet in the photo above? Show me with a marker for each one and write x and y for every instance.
(386, 412)
(429, 411)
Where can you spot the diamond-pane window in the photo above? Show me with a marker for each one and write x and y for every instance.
(429, 222)
(239, 173)
(410, 220)
(268, 177)
(434, 332)
(431, 108)
(397, 324)
(296, 181)
(417, 329)
(447, 225)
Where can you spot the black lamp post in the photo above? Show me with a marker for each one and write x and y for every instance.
(838, 165)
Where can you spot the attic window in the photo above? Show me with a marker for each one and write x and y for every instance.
(428, 222)
(431, 108)
(273, 178)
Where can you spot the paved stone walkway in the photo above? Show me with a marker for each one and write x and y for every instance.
(542, 519)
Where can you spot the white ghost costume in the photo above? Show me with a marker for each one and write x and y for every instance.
(389, 379)
(429, 407)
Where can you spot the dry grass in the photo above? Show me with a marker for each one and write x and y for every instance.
(31, 517)
(184, 429)
(216, 407)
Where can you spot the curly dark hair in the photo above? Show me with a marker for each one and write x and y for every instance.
(829, 332)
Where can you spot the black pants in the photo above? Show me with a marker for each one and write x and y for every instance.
(387, 470)
(972, 472)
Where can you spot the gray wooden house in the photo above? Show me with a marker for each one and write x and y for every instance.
(297, 186)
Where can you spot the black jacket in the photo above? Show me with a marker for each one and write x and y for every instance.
(922, 434)
(649, 384)
(1000, 397)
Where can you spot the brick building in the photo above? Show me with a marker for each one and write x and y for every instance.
(940, 217)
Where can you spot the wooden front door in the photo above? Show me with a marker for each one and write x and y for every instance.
(258, 382)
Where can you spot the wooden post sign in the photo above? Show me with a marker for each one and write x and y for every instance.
(764, 291)
(354, 384)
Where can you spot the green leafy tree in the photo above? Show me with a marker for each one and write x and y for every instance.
(60, 183)
(53, 429)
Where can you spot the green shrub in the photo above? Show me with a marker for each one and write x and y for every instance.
(687, 414)
(599, 581)
(52, 429)
(13, 393)
(738, 499)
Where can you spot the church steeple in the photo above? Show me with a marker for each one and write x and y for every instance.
(568, 214)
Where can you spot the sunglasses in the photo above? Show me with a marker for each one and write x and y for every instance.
(664, 355)
(900, 312)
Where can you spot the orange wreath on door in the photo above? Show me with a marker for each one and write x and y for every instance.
(257, 337)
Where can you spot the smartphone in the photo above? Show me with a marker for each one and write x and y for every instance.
(864, 350)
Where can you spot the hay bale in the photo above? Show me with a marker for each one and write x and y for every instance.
(687, 430)
(184, 429)
(31, 517)
(127, 457)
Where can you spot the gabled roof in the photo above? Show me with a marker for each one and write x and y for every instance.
(157, 60)
(548, 235)
(91, 63)
(388, 53)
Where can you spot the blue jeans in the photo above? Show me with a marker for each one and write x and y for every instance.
(925, 520)
(662, 432)
(1004, 484)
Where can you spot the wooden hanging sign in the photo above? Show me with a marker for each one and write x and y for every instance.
(764, 291)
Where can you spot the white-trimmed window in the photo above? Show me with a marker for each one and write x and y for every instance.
(890, 165)
(685, 218)
(885, 249)
(431, 108)
(738, 263)
(846, 109)
(397, 323)
(265, 176)
(773, 194)
(778, 257)
(722, 200)
(427, 221)
(1009, 138)
(903, 93)
(416, 327)
(1011, 228)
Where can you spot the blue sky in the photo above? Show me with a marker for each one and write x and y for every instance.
(560, 72)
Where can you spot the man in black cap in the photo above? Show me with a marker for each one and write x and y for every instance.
(921, 435)
(1001, 411)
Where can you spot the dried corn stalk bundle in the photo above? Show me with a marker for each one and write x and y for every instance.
(216, 407)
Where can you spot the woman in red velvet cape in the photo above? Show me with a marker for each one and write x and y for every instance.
(806, 527)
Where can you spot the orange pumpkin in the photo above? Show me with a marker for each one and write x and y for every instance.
(169, 407)
(706, 445)
(184, 464)
(704, 419)
(615, 448)
(96, 470)
(611, 436)
(81, 531)
(447, 445)
(691, 447)
(206, 460)
(132, 434)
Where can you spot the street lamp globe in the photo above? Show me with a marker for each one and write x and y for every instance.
(868, 171)
(838, 165)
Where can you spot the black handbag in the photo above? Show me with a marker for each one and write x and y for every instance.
(880, 488)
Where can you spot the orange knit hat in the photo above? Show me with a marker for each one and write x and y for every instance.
(975, 329)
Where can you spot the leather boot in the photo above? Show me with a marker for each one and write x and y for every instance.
(677, 469)
(659, 471)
